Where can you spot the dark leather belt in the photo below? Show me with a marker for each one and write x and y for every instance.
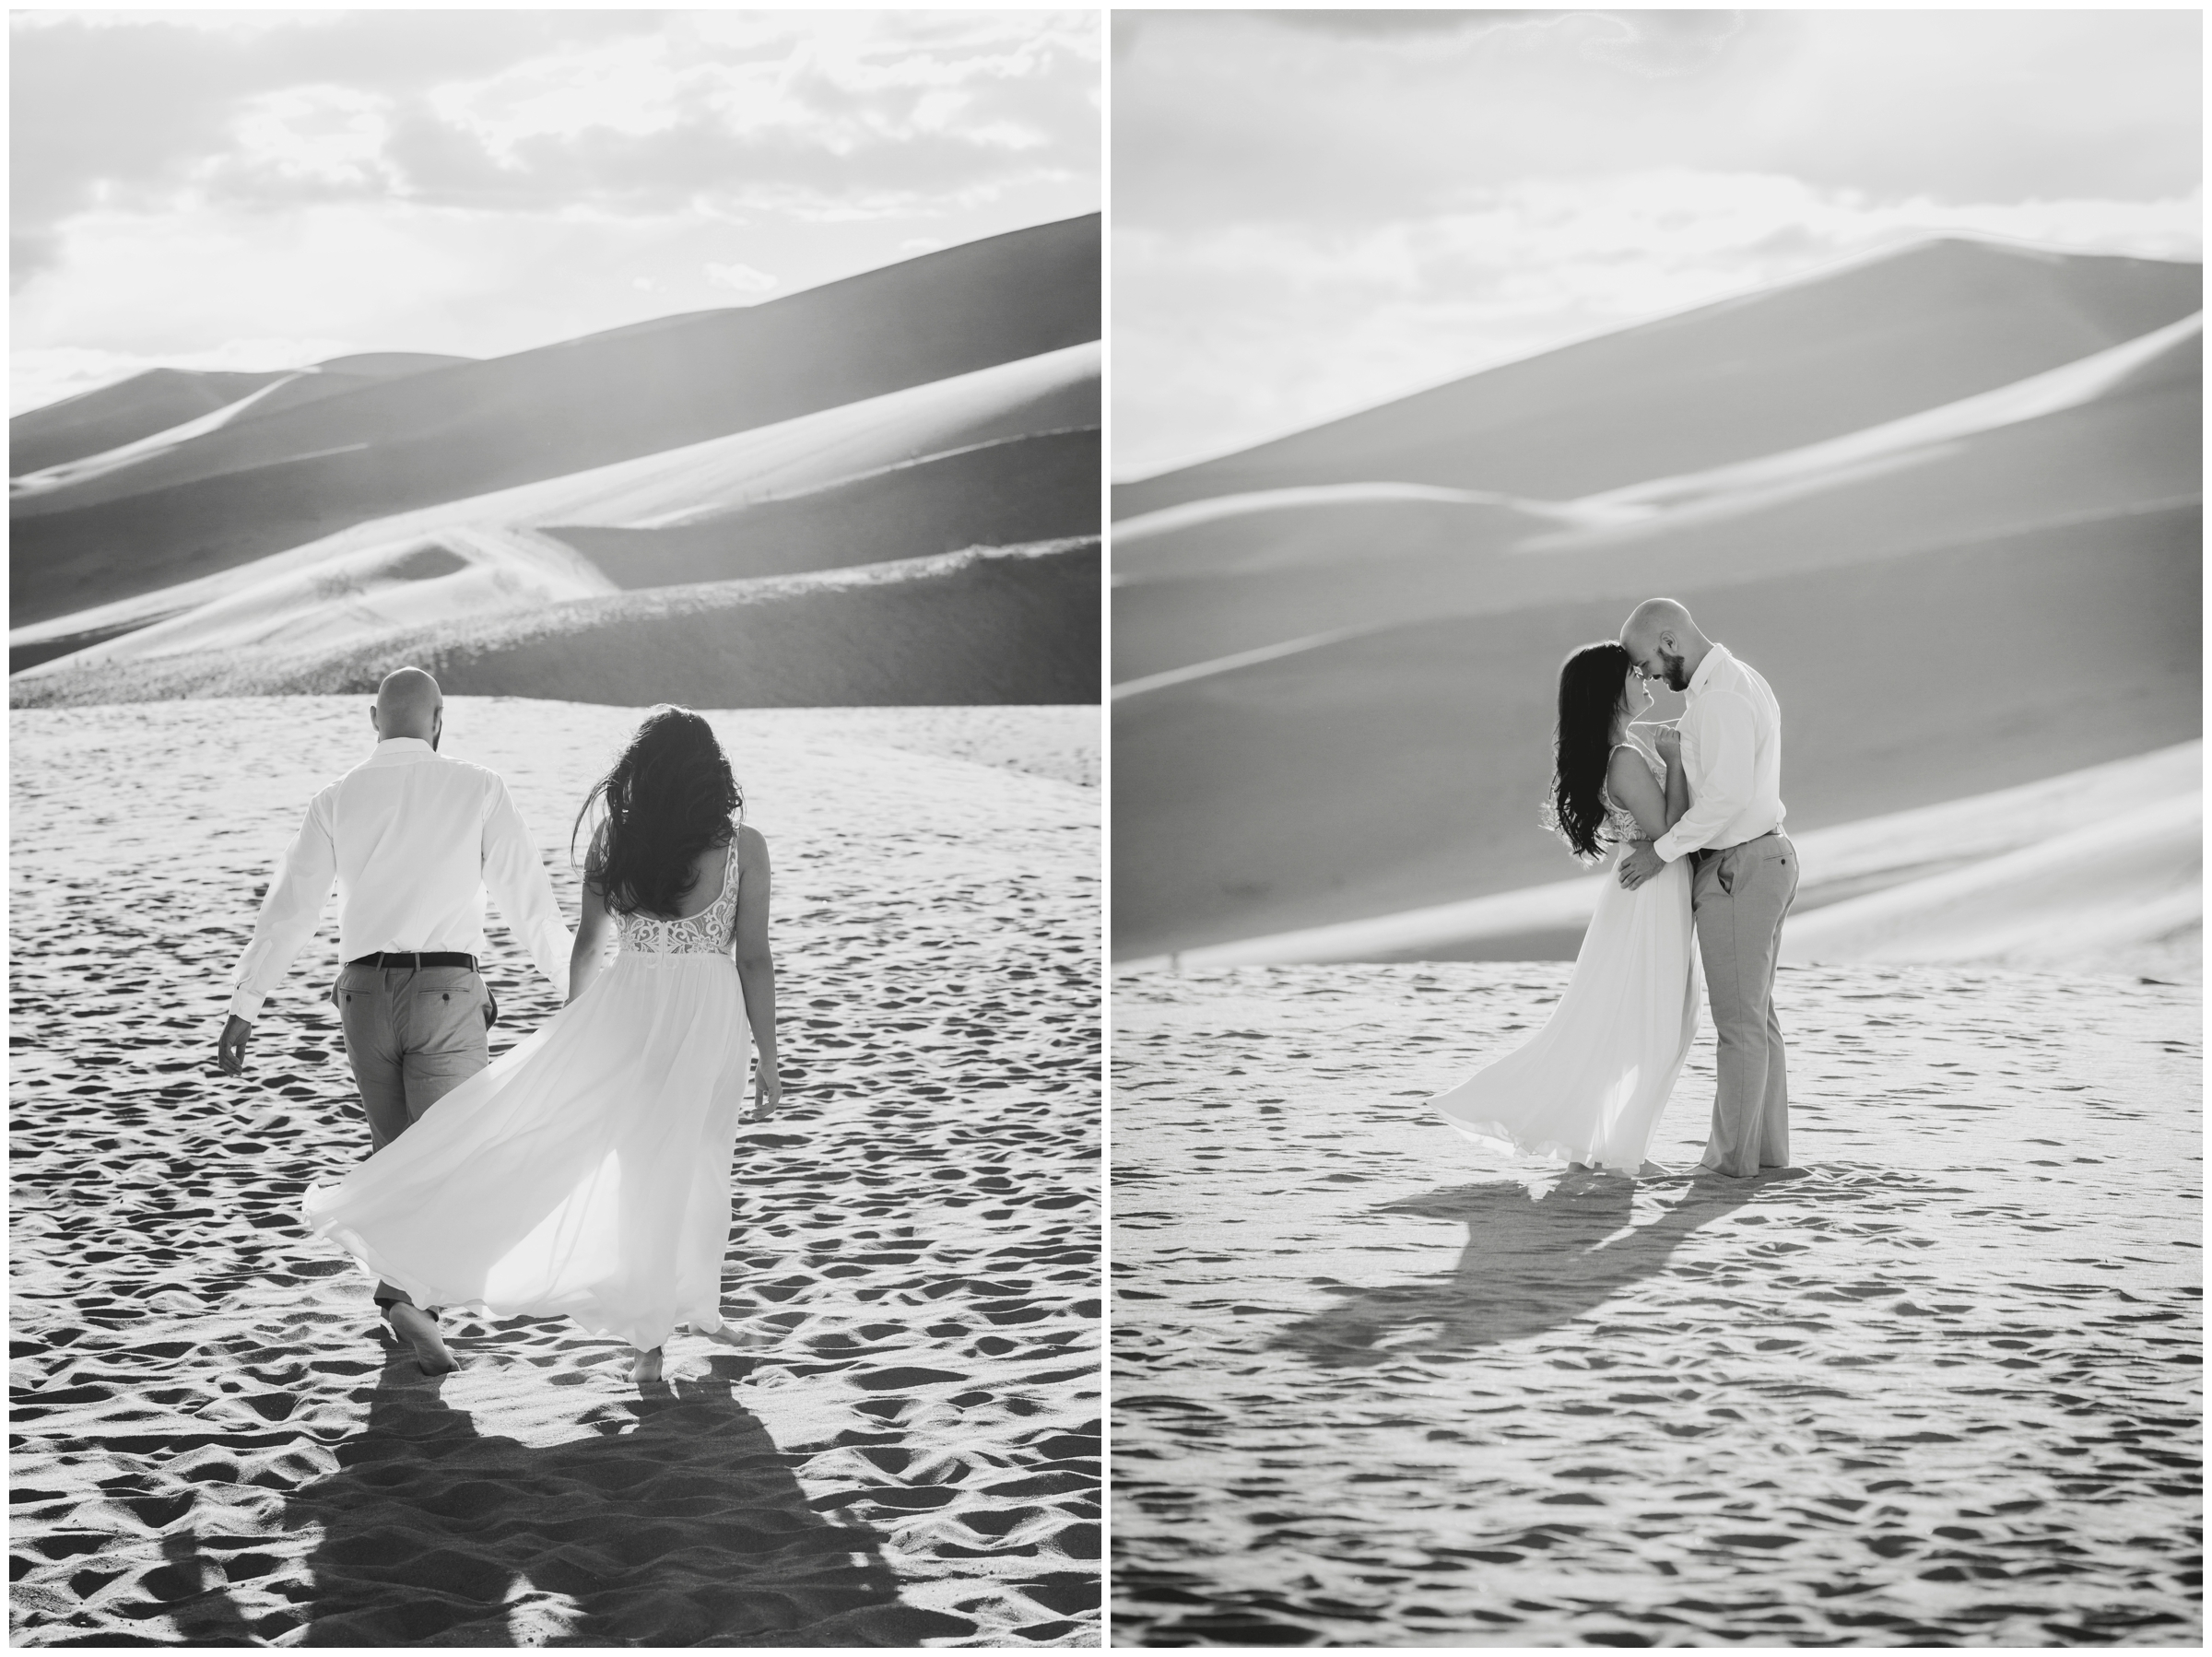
(435, 958)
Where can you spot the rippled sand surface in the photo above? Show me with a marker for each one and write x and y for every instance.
(212, 1444)
(1936, 1383)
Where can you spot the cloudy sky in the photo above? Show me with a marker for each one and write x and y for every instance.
(266, 189)
(1316, 211)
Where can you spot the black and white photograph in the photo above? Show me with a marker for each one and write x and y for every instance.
(1656, 828)
(555, 856)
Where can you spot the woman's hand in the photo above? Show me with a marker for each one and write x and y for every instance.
(1669, 743)
(767, 1088)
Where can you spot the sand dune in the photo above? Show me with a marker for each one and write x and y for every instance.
(1404, 768)
(257, 487)
(2092, 893)
(2125, 431)
(280, 392)
(2166, 359)
(1014, 624)
(999, 492)
(1375, 1386)
(2098, 864)
(212, 1445)
(481, 554)
(1282, 529)
(1813, 359)
(1334, 656)
(111, 415)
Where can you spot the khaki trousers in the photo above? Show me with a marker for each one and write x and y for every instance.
(1739, 896)
(413, 1034)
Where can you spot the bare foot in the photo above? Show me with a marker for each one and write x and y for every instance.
(647, 1368)
(417, 1327)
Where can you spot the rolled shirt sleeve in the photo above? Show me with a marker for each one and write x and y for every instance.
(520, 886)
(1720, 742)
(289, 910)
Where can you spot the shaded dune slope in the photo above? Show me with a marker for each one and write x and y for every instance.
(1405, 766)
(255, 487)
(990, 624)
(1813, 359)
(1003, 492)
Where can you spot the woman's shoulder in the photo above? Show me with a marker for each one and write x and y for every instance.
(751, 844)
(1628, 760)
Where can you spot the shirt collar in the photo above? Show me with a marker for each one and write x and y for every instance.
(1712, 664)
(402, 747)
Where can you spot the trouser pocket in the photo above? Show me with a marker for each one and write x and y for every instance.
(446, 1014)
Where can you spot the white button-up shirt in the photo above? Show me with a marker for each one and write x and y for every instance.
(1731, 757)
(412, 839)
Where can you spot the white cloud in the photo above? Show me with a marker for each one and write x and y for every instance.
(741, 278)
(479, 182)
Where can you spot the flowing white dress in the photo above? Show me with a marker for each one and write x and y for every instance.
(586, 1172)
(1590, 1085)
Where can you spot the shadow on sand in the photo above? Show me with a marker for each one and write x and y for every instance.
(1528, 1267)
(680, 1523)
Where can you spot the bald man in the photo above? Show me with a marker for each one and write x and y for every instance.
(412, 841)
(1744, 877)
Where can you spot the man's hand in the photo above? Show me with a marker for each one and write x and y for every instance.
(1640, 865)
(231, 1052)
(768, 1090)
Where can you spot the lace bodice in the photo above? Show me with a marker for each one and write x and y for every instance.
(1620, 823)
(710, 931)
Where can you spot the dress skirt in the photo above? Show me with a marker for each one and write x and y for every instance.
(586, 1173)
(1590, 1085)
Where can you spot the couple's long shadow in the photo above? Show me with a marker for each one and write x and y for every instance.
(1527, 1266)
(679, 1525)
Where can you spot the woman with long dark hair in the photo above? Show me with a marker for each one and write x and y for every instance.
(1588, 1087)
(587, 1171)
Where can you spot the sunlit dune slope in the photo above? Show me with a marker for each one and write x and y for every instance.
(1405, 766)
(992, 625)
(253, 487)
(1793, 365)
(489, 553)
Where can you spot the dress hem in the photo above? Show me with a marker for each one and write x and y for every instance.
(1497, 1134)
(366, 1260)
